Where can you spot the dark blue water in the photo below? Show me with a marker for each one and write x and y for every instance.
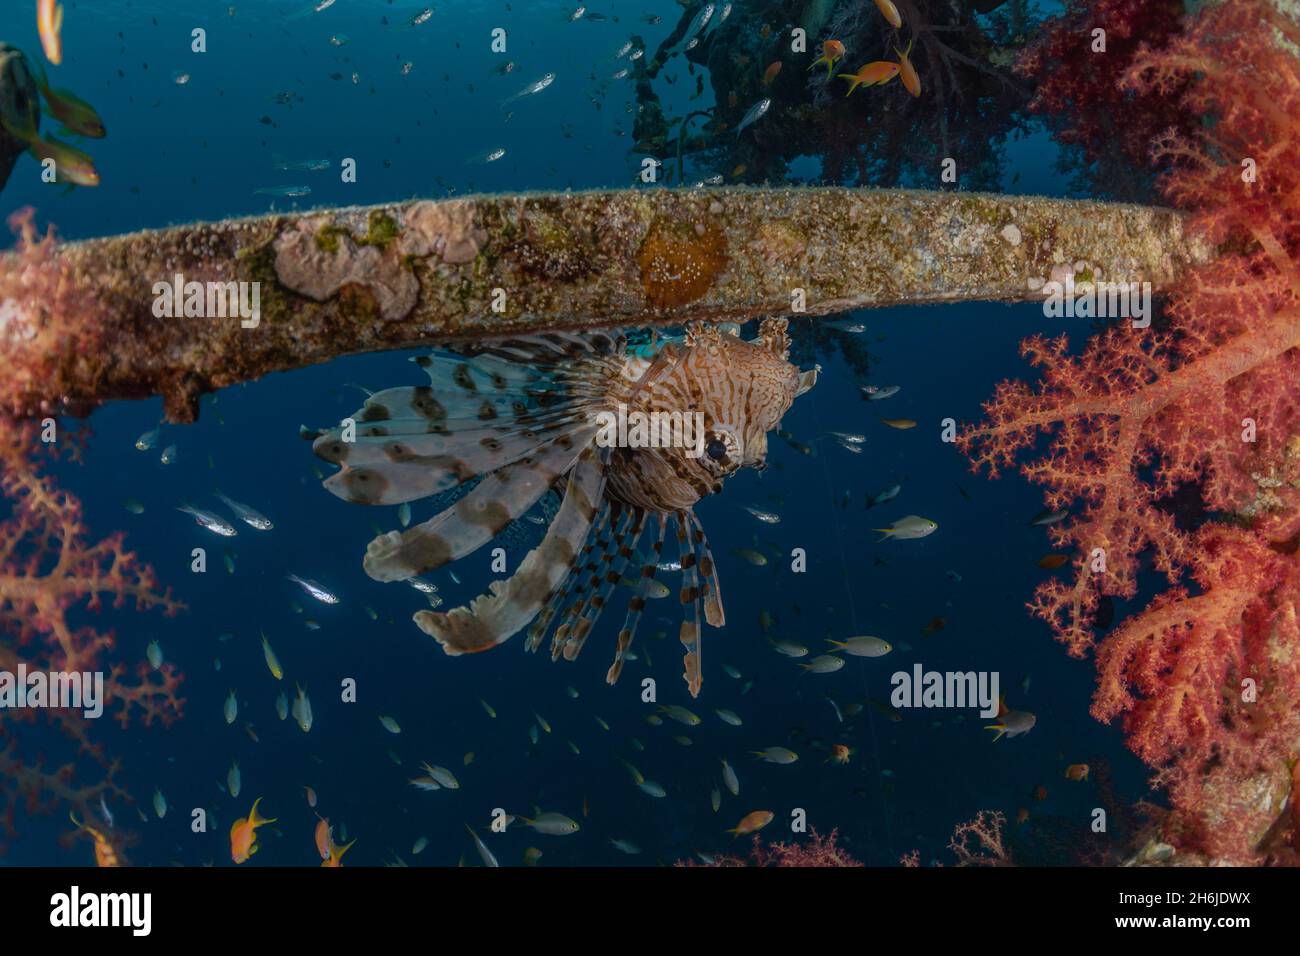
(177, 153)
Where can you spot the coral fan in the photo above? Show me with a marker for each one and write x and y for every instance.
(1208, 402)
(50, 571)
(817, 851)
(978, 842)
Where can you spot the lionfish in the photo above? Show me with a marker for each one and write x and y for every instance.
(522, 416)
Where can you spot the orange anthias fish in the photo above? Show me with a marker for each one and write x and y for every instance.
(770, 73)
(907, 73)
(890, 13)
(331, 853)
(335, 858)
(1076, 772)
(105, 854)
(752, 822)
(243, 834)
(324, 838)
(832, 53)
(877, 72)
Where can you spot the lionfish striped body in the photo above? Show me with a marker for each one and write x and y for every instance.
(523, 415)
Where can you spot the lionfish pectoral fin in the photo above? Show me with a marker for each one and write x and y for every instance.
(604, 578)
(475, 416)
(636, 606)
(473, 521)
(495, 617)
(713, 612)
(807, 380)
(689, 634)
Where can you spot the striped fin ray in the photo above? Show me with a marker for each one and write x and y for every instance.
(690, 598)
(420, 410)
(477, 415)
(560, 598)
(636, 605)
(713, 612)
(604, 581)
(495, 617)
(543, 348)
(474, 520)
(586, 576)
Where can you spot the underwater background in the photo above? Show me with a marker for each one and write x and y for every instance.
(273, 85)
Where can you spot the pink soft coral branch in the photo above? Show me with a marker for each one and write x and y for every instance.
(1140, 414)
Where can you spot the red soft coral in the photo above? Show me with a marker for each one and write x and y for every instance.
(1210, 401)
(52, 571)
(816, 851)
(1077, 88)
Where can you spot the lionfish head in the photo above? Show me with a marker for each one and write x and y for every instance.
(749, 386)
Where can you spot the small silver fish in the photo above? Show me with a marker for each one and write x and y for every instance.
(104, 811)
(169, 455)
(484, 853)
(823, 664)
(873, 393)
(788, 647)
(754, 114)
(302, 710)
(318, 591)
(302, 165)
(865, 646)
(777, 755)
(148, 440)
(482, 159)
(1049, 516)
(214, 523)
(730, 779)
(699, 23)
(910, 527)
(445, 777)
(532, 88)
(283, 192)
(249, 516)
(886, 495)
(552, 824)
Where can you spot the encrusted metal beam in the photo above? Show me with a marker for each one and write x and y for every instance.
(95, 320)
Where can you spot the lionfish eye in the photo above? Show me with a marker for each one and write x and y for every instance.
(716, 449)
